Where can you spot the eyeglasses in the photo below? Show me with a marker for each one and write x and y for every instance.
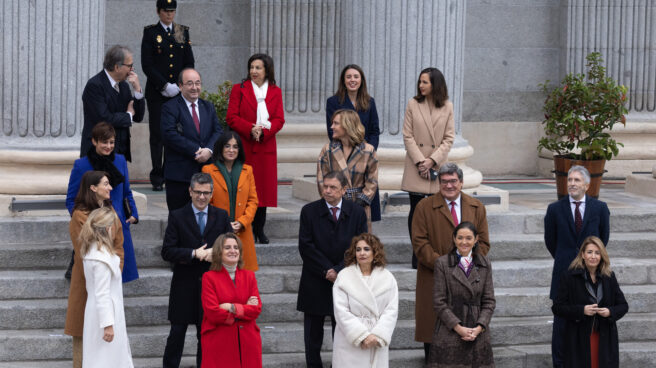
(191, 84)
(200, 194)
(447, 182)
(129, 65)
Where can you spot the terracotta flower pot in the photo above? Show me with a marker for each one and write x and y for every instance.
(562, 165)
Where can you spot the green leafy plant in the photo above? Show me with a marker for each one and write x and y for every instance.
(220, 100)
(580, 111)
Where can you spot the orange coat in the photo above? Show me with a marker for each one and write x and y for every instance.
(77, 294)
(244, 209)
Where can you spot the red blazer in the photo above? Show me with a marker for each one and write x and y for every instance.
(225, 335)
(241, 116)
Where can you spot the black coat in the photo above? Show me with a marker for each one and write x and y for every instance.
(322, 243)
(571, 298)
(561, 238)
(181, 237)
(101, 102)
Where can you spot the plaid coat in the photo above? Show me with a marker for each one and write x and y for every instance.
(361, 169)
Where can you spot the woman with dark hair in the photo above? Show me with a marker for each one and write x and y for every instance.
(366, 305)
(101, 157)
(351, 155)
(428, 133)
(352, 94)
(231, 304)
(590, 299)
(94, 193)
(255, 112)
(234, 191)
(464, 302)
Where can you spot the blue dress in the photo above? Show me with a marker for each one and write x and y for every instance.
(117, 194)
(369, 120)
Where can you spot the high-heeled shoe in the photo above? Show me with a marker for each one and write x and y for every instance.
(261, 238)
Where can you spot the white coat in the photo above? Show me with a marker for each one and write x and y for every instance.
(104, 308)
(364, 307)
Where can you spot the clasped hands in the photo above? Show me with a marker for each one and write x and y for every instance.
(592, 309)
(468, 334)
(256, 132)
(331, 275)
(370, 341)
(202, 155)
(203, 254)
(424, 167)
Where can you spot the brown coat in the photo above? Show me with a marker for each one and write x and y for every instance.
(468, 301)
(244, 208)
(432, 230)
(425, 134)
(77, 294)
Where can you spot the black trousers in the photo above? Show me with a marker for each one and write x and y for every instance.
(414, 200)
(313, 334)
(155, 100)
(175, 346)
(259, 220)
(557, 342)
(177, 194)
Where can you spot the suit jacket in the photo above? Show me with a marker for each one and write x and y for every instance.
(101, 102)
(425, 135)
(181, 139)
(560, 235)
(369, 118)
(322, 243)
(432, 229)
(181, 237)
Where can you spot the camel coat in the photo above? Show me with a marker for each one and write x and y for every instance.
(77, 294)
(432, 237)
(425, 134)
(245, 207)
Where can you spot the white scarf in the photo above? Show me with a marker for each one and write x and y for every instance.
(465, 261)
(262, 112)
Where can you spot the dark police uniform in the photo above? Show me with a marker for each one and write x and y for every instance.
(162, 59)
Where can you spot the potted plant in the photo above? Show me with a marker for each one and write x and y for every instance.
(220, 100)
(578, 115)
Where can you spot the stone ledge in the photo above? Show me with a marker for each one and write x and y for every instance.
(641, 184)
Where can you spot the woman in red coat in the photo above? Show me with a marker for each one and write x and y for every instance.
(255, 112)
(231, 303)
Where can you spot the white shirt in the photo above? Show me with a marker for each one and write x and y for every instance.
(170, 26)
(196, 211)
(339, 208)
(572, 205)
(457, 207)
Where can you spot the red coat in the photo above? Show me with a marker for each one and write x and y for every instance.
(225, 335)
(241, 116)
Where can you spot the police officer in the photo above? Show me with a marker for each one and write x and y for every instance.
(165, 51)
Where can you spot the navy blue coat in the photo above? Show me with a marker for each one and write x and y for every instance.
(181, 140)
(560, 235)
(117, 195)
(101, 102)
(322, 243)
(369, 120)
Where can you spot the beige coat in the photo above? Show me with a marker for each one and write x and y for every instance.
(425, 134)
(432, 230)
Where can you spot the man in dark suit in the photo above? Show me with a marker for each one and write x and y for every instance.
(567, 223)
(326, 229)
(188, 241)
(107, 97)
(165, 51)
(189, 130)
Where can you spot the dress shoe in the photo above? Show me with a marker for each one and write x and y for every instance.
(158, 188)
(261, 238)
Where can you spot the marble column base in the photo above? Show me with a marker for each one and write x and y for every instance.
(35, 172)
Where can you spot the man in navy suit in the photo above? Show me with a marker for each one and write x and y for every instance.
(326, 229)
(189, 129)
(107, 97)
(567, 223)
(188, 240)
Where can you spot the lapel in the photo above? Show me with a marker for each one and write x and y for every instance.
(219, 179)
(192, 224)
(467, 211)
(356, 288)
(459, 275)
(110, 92)
(440, 204)
(337, 154)
(211, 218)
(589, 209)
(567, 214)
(425, 114)
(203, 115)
(187, 120)
(249, 95)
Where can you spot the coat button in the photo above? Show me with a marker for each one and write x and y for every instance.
(241, 326)
(171, 46)
(170, 75)
(171, 56)
(170, 65)
(421, 144)
(239, 204)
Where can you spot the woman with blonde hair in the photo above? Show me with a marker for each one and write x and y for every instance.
(105, 338)
(356, 159)
(590, 300)
(231, 304)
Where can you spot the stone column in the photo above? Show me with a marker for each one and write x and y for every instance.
(49, 51)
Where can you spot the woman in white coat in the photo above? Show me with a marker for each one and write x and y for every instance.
(366, 305)
(105, 338)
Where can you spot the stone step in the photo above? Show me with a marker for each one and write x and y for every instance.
(281, 307)
(45, 284)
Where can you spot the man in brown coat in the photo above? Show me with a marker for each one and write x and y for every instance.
(433, 223)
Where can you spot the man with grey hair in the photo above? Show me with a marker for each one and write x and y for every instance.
(433, 223)
(188, 240)
(107, 97)
(567, 223)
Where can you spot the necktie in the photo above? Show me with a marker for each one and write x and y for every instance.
(117, 88)
(201, 222)
(578, 220)
(334, 209)
(454, 215)
(168, 30)
(195, 117)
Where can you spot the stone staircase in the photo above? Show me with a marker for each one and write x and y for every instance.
(34, 252)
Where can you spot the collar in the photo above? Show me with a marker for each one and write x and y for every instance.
(196, 210)
(572, 200)
(457, 200)
(166, 25)
(339, 205)
(189, 102)
(111, 80)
